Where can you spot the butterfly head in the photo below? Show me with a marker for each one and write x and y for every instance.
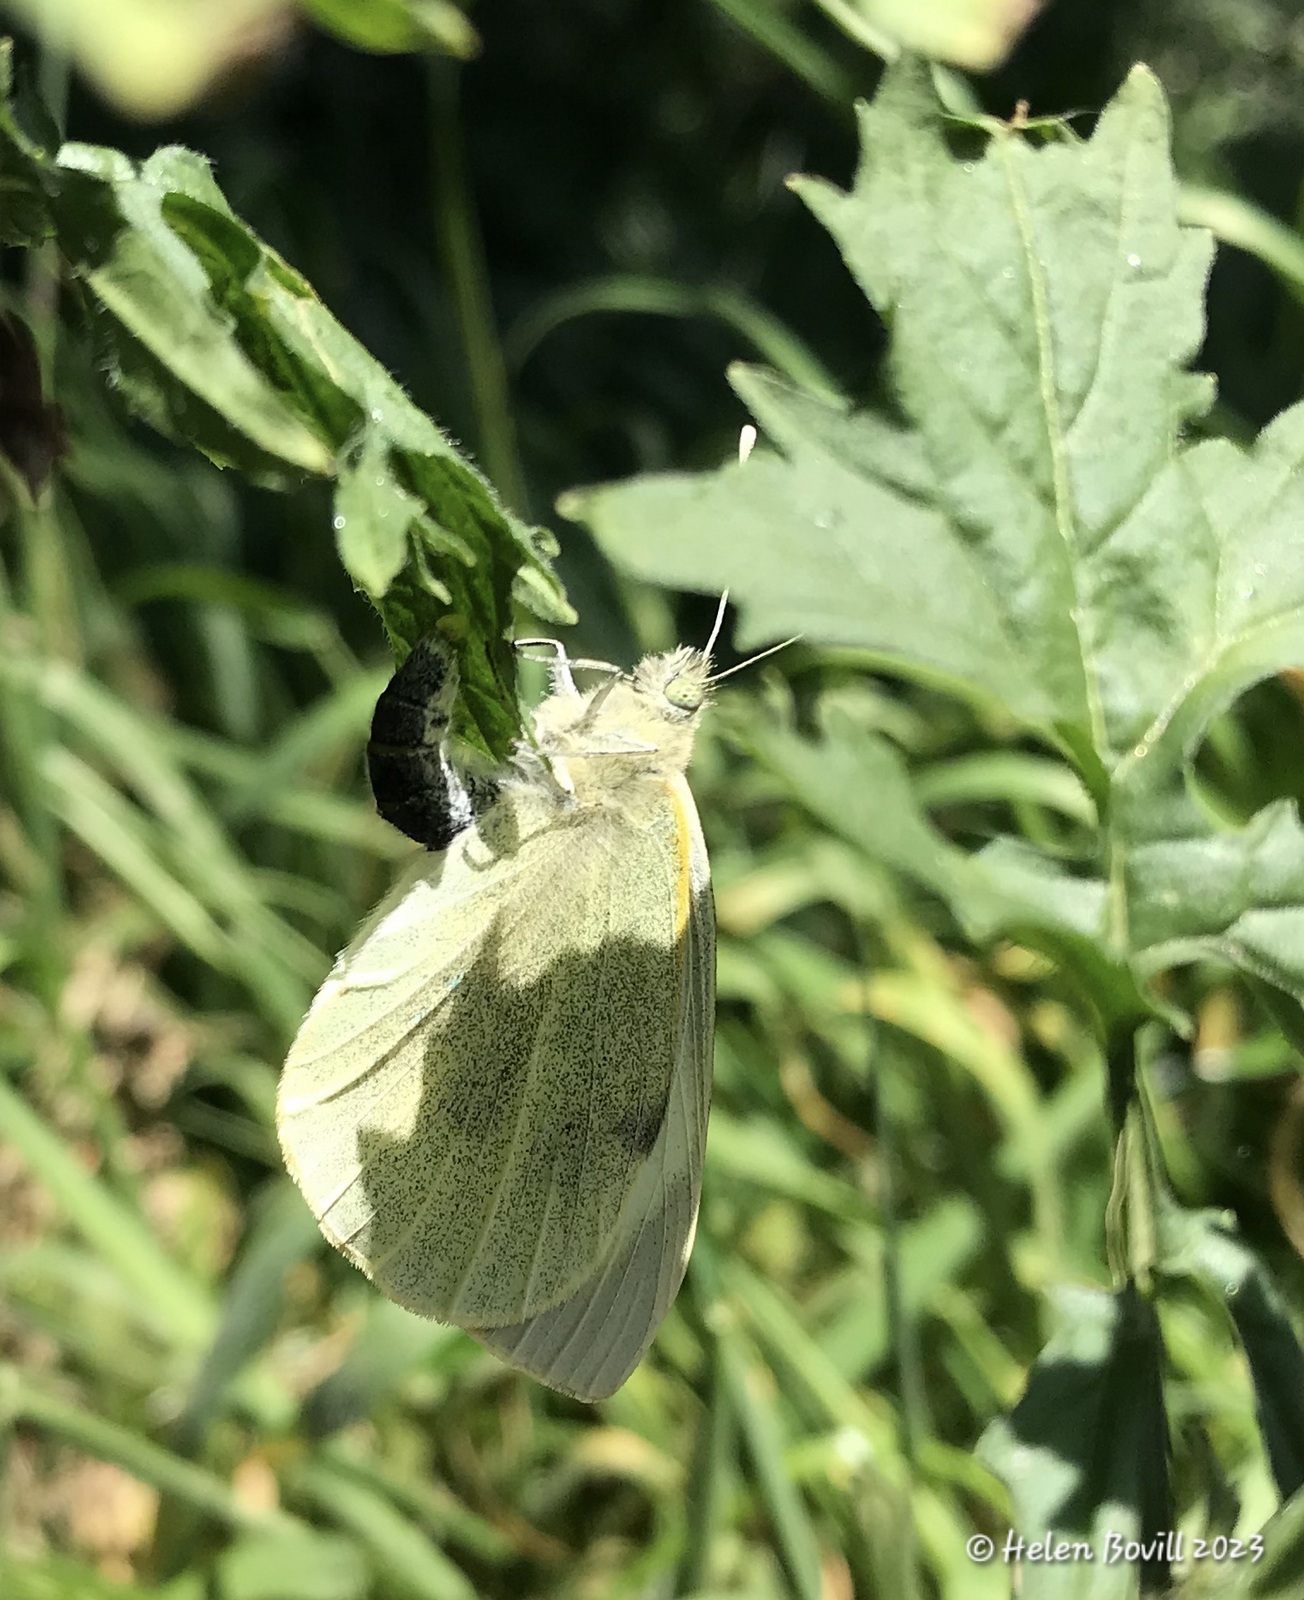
(676, 685)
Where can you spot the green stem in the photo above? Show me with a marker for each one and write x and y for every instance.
(463, 254)
(25, 720)
(1139, 1189)
(915, 1422)
(24, 734)
(750, 1406)
(707, 1484)
(794, 1537)
(413, 1564)
(1121, 1076)
(631, 293)
(1236, 221)
(54, 74)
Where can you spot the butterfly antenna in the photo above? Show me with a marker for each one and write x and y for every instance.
(752, 660)
(746, 442)
(717, 624)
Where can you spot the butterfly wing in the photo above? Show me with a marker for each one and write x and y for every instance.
(477, 1088)
(589, 1344)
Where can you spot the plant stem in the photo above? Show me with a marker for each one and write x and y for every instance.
(463, 254)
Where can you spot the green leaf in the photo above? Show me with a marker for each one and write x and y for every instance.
(1084, 1451)
(24, 218)
(392, 26)
(1236, 896)
(857, 784)
(374, 514)
(282, 1233)
(60, 1578)
(411, 1563)
(1205, 1245)
(1275, 1568)
(1223, 599)
(1032, 528)
(170, 1299)
(448, 550)
(1041, 302)
(219, 343)
(761, 1431)
(810, 542)
(299, 1564)
(179, 359)
(388, 1346)
(207, 1492)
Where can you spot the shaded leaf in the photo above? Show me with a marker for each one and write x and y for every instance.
(1084, 1451)
(1275, 1568)
(1205, 1245)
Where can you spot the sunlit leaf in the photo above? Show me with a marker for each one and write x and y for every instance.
(1038, 531)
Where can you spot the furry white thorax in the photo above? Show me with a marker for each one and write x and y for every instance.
(632, 728)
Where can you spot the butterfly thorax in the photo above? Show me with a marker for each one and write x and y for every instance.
(628, 731)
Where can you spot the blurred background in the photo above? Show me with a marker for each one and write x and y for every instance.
(557, 225)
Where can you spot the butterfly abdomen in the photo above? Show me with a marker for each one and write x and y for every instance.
(415, 787)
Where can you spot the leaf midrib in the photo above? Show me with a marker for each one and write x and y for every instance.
(1065, 525)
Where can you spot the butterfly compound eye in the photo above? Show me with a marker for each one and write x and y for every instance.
(685, 694)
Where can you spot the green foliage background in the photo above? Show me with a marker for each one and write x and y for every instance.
(928, 1164)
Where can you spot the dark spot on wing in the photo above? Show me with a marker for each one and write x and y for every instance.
(637, 1131)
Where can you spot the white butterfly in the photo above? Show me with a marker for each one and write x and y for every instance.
(497, 1103)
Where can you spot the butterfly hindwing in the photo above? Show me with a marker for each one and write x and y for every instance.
(589, 1345)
